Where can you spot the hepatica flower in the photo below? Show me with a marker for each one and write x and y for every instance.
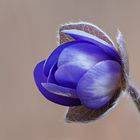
(86, 72)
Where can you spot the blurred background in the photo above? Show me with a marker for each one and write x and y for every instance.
(28, 30)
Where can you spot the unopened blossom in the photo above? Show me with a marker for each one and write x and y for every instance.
(86, 71)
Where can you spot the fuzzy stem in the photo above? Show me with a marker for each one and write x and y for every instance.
(135, 94)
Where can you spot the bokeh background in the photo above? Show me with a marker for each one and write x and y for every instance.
(28, 31)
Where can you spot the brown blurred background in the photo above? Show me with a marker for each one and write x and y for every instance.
(27, 34)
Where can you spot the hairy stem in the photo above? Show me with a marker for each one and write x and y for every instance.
(135, 94)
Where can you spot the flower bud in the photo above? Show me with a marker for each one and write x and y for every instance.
(85, 72)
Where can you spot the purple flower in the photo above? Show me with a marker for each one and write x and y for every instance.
(85, 69)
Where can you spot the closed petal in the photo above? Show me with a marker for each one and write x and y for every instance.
(84, 115)
(51, 77)
(40, 78)
(99, 84)
(81, 35)
(85, 53)
(77, 34)
(53, 58)
(69, 74)
(59, 90)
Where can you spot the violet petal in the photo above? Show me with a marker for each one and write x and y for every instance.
(40, 78)
(59, 90)
(69, 74)
(53, 58)
(84, 52)
(51, 77)
(98, 84)
(81, 35)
